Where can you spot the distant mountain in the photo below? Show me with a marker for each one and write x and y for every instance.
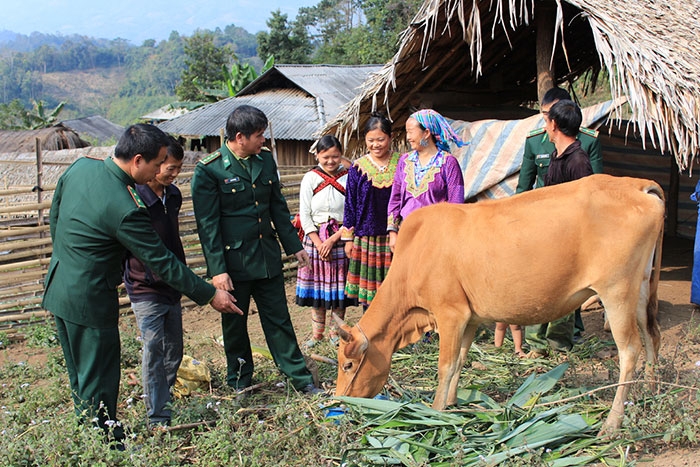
(7, 36)
(22, 43)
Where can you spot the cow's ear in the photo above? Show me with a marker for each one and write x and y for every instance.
(356, 344)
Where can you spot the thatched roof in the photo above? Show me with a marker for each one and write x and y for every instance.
(482, 52)
(52, 139)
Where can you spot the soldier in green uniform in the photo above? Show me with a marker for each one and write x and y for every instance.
(242, 218)
(562, 333)
(96, 216)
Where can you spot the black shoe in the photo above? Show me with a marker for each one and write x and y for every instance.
(311, 390)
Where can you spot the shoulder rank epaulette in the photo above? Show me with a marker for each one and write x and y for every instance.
(588, 131)
(536, 132)
(135, 196)
(211, 157)
(265, 148)
(94, 158)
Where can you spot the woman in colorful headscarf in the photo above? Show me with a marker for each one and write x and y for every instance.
(428, 174)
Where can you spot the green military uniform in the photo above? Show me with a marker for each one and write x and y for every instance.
(539, 149)
(96, 216)
(236, 203)
(536, 157)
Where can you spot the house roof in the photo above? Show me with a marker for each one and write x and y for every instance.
(96, 127)
(167, 112)
(486, 49)
(52, 139)
(291, 113)
(297, 99)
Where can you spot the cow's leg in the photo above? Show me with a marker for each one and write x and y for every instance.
(467, 339)
(622, 315)
(449, 360)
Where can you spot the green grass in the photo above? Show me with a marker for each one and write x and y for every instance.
(511, 412)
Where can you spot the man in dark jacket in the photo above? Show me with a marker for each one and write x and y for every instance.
(96, 216)
(156, 304)
(568, 162)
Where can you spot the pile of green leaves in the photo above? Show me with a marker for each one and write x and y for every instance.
(480, 431)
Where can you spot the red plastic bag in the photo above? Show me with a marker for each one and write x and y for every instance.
(296, 222)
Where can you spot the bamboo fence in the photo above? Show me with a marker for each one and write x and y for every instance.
(25, 247)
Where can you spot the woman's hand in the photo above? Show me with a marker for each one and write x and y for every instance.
(392, 239)
(324, 249)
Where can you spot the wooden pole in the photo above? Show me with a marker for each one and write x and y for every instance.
(274, 147)
(38, 188)
(544, 22)
(672, 201)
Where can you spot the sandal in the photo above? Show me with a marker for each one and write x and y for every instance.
(311, 343)
(335, 340)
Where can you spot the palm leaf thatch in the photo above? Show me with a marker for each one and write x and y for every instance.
(53, 138)
(459, 55)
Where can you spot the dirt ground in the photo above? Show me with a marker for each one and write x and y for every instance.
(202, 326)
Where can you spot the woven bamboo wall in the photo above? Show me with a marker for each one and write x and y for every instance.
(25, 247)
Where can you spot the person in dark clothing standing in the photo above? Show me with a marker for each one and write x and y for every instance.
(568, 162)
(156, 305)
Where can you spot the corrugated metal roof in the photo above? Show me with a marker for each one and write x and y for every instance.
(297, 99)
(167, 112)
(97, 127)
(335, 85)
(291, 112)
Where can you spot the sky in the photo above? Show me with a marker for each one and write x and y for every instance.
(138, 20)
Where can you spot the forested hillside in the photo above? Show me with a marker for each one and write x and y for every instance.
(109, 78)
(123, 81)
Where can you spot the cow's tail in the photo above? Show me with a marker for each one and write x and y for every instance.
(652, 323)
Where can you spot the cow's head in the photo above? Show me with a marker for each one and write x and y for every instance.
(362, 370)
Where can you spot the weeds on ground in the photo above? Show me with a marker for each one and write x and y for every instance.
(41, 334)
(512, 412)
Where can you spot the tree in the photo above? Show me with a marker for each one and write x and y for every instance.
(353, 32)
(241, 75)
(288, 42)
(384, 23)
(40, 118)
(204, 64)
(14, 116)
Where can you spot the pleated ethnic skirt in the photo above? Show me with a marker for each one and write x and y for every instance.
(322, 283)
(369, 265)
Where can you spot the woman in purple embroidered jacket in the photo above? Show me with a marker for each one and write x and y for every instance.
(428, 174)
(366, 200)
(321, 285)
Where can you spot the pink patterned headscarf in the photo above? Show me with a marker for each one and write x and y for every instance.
(438, 127)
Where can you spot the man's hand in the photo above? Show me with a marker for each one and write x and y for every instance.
(224, 302)
(302, 258)
(222, 282)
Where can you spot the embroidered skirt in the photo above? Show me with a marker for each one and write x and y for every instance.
(369, 265)
(322, 283)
